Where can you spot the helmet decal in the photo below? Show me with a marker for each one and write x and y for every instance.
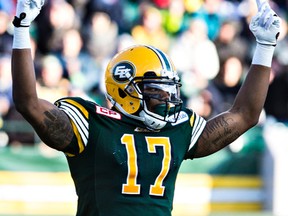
(123, 71)
(165, 62)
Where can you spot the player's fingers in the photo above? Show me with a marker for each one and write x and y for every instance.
(260, 4)
(269, 21)
(38, 3)
(264, 17)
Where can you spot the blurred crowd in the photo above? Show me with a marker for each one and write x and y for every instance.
(209, 42)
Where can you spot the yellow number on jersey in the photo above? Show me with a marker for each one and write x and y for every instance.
(131, 186)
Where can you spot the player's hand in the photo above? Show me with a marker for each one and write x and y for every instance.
(265, 25)
(26, 12)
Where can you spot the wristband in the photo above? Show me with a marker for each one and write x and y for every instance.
(263, 55)
(21, 39)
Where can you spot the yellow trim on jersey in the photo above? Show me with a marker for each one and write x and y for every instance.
(79, 140)
(78, 136)
(83, 110)
(197, 124)
(192, 120)
(80, 128)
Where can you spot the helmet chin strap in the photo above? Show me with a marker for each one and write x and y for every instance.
(151, 119)
(152, 123)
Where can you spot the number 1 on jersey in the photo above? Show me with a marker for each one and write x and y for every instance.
(131, 186)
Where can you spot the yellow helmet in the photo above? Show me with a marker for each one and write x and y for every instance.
(135, 68)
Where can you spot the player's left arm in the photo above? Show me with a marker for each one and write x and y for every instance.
(50, 123)
(244, 113)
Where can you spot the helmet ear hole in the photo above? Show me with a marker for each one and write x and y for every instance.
(121, 93)
(150, 74)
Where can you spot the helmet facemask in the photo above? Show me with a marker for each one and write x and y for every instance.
(160, 99)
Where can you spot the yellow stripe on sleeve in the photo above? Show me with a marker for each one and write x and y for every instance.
(79, 106)
(78, 136)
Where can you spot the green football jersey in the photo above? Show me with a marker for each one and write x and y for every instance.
(120, 168)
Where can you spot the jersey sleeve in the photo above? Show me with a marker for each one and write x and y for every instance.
(198, 124)
(79, 118)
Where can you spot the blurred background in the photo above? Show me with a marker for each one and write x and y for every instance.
(211, 46)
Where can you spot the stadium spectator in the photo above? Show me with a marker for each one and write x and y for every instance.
(58, 16)
(78, 66)
(229, 42)
(17, 127)
(210, 13)
(224, 87)
(114, 8)
(8, 6)
(174, 17)
(50, 83)
(101, 37)
(6, 37)
(276, 104)
(151, 30)
(5, 85)
(190, 52)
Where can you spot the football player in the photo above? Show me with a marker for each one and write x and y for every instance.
(124, 160)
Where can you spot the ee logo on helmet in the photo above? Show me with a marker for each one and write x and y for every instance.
(123, 71)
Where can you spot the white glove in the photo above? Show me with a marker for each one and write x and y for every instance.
(26, 12)
(266, 24)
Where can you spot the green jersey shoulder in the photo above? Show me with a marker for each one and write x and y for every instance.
(84, 113)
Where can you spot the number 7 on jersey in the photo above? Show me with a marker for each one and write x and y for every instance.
(131, 186)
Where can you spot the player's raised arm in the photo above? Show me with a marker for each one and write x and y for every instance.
(51, 124)
(244, 114)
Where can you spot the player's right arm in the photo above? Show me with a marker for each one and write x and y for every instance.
(51, 124)
(248, 104)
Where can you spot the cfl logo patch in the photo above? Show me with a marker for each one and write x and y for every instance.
(122, 71)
